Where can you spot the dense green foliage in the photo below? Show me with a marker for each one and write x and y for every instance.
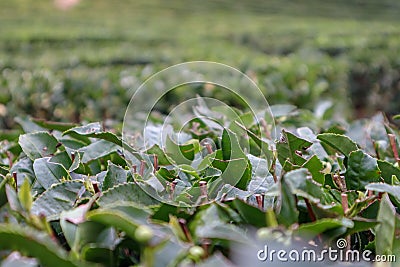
(68, 197)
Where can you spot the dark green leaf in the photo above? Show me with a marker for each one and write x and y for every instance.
(361, 224)
(315, 167)
(311, 230)
(290, 147)
(48, 173)
(393, 190)
(387, 170)
(250, 214)
(362, 169)
(287, 211)
(339, 142)
(124, 216)
(35, 244)
(57, 198)
(98, 150)
(182, 154)
(213, 223)
(127, 192)
(162, 157)
(385, 231)
(115, 175)
(93, 130)
(37, 145)
(52, 125)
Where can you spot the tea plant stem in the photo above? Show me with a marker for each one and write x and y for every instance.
(10, 159)
(96, 187)
(185, 229)
(265, 128)
(393, 144)
(142, 166)
(345, 202)
(172, 189)
(209, 147)
(203, 190)
(260, 201)
(310, 211)
(155, 162)
(375, 145)
(206, 246)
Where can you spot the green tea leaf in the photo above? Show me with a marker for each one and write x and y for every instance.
(315, 167)
(48, 173)
(290, 147)
(339, 142)
(393, 190)
(287, 213)
(182, 154)
(36, 244)
(52, 125)
(130, 192)
(124, 216)
(387, 170)
(163, 159)
(385, 231)
(311, 230)
(93, 130)
(115, 175)
(213, 223)
(250, 214)
(361, 224)
(362, 169)
(37, 145)
(59, 197)
(98, 150)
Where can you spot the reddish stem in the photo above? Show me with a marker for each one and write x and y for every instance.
(260, 201)
(142, 166)
(206, 246)
(182, 223)
(223, 197)
(209, 148)
(10, 159)
(155, 162)
(265, 127)
(203, 189)
(172, 188)
(393, 144)
(310, 211)
(96, 187)
(345, 202)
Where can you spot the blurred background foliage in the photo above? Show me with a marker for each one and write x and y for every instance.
(84, 62)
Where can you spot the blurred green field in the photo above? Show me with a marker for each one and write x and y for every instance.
(84, 63)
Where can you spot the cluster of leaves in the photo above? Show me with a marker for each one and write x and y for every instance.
(68, 197)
